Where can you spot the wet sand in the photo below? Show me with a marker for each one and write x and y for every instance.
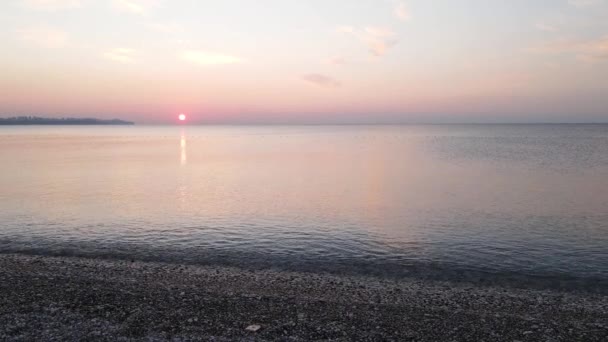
(51, 298)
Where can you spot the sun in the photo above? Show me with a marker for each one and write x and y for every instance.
(182, 117)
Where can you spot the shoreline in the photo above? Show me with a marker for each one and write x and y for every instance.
(389, 271)
(70, 298)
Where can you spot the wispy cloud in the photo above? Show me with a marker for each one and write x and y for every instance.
(47, 37)
(345, 29)
(51, 5)
(120, 55)
(336, 60)
(401, 12)
(138, 7)
(321, 80)
(588, 51)
(165, 28)
(584, 3)
(594, 50)
(377, 39)
(208, 58)
(546, 27)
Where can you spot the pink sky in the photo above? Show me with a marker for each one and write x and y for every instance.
(306, 62)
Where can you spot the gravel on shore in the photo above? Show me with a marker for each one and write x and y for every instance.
(77, 299)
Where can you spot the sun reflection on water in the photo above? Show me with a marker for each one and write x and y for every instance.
(183, 152)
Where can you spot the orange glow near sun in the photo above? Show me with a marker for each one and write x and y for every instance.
(182, 117)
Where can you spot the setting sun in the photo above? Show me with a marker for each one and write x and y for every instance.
(182, 117)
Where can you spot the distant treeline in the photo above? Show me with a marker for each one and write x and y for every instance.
(35, 120)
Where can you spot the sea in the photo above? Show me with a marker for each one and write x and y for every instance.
(520, 204)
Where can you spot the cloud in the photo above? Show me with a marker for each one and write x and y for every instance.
(51, 5)
(120, 55)
(377, 39)
(594, 50)
(345, 29)
(401, 12)
(588, 51)
(139, 7)
(165, 28)
(46, 37)
(336, 60)
(584, 3)
(208, 58)
(546, 27)
(321, 80)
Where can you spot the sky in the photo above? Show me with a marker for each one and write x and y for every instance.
(306, 61)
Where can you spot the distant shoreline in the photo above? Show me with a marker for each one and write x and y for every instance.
(33, 120)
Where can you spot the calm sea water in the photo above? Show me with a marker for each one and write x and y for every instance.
(523, 201)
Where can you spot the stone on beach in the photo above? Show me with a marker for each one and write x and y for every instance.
(253, 327)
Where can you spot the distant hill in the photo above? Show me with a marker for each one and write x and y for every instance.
(34, 120)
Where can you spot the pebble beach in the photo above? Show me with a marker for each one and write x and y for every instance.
(58, 298)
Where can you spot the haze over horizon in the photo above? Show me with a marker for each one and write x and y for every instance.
(273, 61)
